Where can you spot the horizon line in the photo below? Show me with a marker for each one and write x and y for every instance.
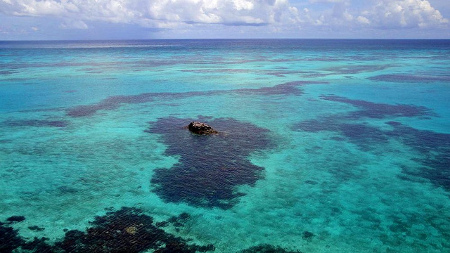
(162, 39)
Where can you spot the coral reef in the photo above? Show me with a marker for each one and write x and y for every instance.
(39, 245)
(434, 147)
(307, 235)
(36, 123)
(114, 102)
(15, 219)
(378, 111)
(126, 230)
(267, 248)
(9, 239)
(36, 228)
(404, 78)
(210, 166)
(179, 221)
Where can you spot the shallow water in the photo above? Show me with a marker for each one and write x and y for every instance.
(324, 145)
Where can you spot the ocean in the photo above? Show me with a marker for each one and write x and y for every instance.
(322, 146)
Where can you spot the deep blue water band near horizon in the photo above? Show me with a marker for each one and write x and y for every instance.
(323, 146)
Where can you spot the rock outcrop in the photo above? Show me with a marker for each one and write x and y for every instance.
(201, 128)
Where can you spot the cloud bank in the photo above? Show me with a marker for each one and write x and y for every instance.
(163, 13)
(405, 13)
(279, 15)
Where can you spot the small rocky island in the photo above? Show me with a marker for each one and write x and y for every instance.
(201, 128)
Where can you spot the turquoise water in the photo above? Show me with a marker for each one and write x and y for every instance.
(323, 145)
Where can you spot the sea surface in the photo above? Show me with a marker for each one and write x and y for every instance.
(322, 146)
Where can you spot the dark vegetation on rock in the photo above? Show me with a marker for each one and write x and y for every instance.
(210, 166)
(201, 128)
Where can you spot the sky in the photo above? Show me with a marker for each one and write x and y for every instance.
(194, 19)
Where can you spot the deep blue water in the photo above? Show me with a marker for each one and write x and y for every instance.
(323, 146)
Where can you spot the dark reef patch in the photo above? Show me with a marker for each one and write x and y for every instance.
(356, 69)
(15, 218)
(180, 220)
(283, 73)
(422, 140)
(433, 147)
(267, 248)
(435, 150)
(7, 72)
(125, 230)
(114, 102)
(289, 88)
(214, 70)
(36, 123)
(362, 135)
(39, 245)
(379, 111)
(9, 239)
(315, 126)
(36, 228)
(210, 166)
(307, 235)
(404, 78)
(110, 103)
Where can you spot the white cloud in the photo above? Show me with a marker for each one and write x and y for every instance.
(243, 5)
(162, 13)
(327, 1)
(404, 13)
(73, 24)
(363, 20)
(289, 16)
(381, 14)
(337, 14)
